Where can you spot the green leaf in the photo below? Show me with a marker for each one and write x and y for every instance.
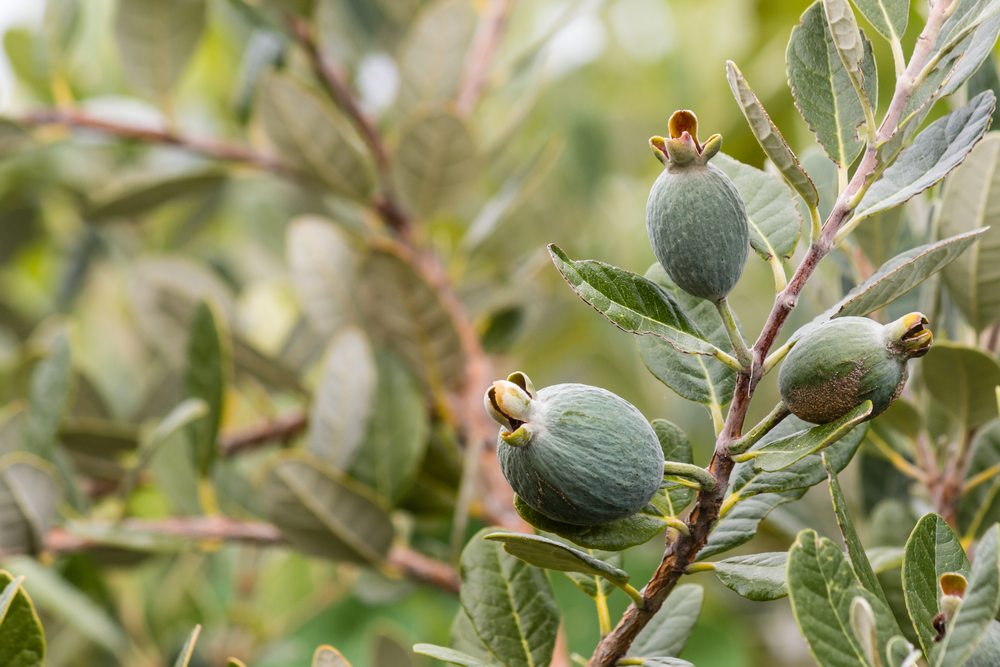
(551, 555)
(324, 514)
(693, 376)
(327, 656)
(980, 605)
(932, 550)
(888, 17)
(619, 535)
(822, 87)
(883, 559)
(184, 658)
(323, 267)
(57, 597)
(510, 604)
(344, 399)
(668, 632)
(895, 278)
(739, 525)
(666, 662)
(676, 447)
(396, 441)
(961, 381)
(95, 445)
(779, 454)
(967, 17)
(404, 313)
(435, 162)
(855, 549)
(449, 655)
(822, 588)
(980, 506)
(877, 237)
(209, 369)
(47, 399)
(390, 653)
(899, 650)
(987, 653)
(631, 302)
(235, 662)
(135, 199)
(971, 201)
(465, 640)
(775, 223)
(313, 137)
(432, 59)
(941, 147)
(758, 577)
(28, 501)
(156, 39)
(178, 418)
(22, 639)
(850, 44)
(984, 78)
(769, 138)
(595, 585)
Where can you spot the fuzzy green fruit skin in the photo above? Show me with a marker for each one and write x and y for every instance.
(697, 225)
(838, 365)
(592, 458)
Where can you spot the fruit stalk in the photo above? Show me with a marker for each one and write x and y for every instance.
(681, 553)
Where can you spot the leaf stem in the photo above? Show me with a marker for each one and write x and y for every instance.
(694, 568)
(898, 461)
(728, 361)
(898, 58)
(636, 596)
(678, 525)
(774, 418)
(631, 661)
(603, 615)
(980, 478)
(817, 224)
(778, 269)
(743, 355)
(705, 479)
(775, 357)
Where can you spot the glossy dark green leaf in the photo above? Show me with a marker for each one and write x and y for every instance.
(22, 639)
(510, 604)
(978, 608)
(779, 454)
(619, 535)
(435, 162)
(932, 550)
(396, 439)
(970, 202)
(432, 59)
(208, 371)
(696, 377)
(758, 577)
(668, 632)
(631, 302)
(156, 39)
(323, 266)
(822, 588)
(551, 555)
(403, 313)
(775, 223)
(769, 138)
(324, 514)
(822, 86)
(313, 137)
(938, 149)
(47, 399)
(344, 399)
(597, 586)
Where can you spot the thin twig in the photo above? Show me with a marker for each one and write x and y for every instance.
(279, 429)
(681, 553)
(209, 148)
(480, 60)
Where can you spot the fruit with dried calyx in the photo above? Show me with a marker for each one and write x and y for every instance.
(576, 453)
(695, 217)
(847, 360)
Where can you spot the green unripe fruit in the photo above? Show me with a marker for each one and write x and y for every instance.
(848, 360)
(575, 453)
(695, 218)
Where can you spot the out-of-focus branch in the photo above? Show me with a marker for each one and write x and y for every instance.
(411, 563)
(279, 429)
(209, 148)
(333, 78)
(480, 60)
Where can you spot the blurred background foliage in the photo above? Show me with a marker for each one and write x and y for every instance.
(96, 234)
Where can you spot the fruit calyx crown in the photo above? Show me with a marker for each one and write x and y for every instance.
(681, 148)
(510, 403)
(909, 335)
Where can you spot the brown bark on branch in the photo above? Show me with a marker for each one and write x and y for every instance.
(279, 429)
(683, 551)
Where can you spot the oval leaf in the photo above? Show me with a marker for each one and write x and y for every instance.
(551, 555)
(619, 535)
(156, 38)
(758, 577)
(435, 161)
(323, 268)
(668, 632)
